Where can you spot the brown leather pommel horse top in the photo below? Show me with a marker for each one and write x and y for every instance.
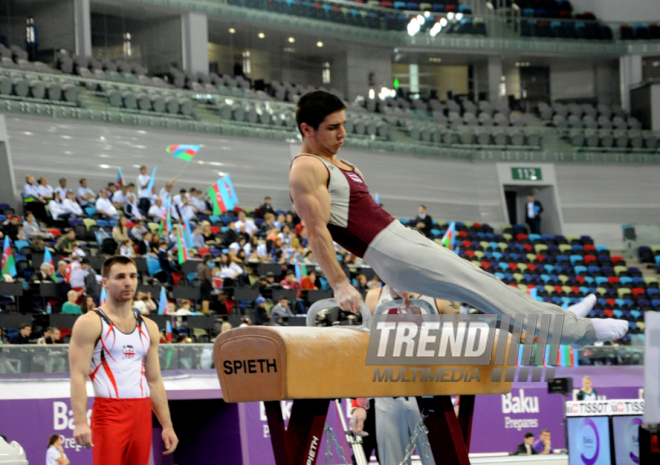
(270, 363)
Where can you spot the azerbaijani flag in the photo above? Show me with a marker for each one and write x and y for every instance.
(226, 180)
(104, 297)
(181, 245)
(448, 238)
(49, 259)
(301, 271)
(221, 198)
(120, 179)
(8, 262)
(162, 303)
(168, 331)
(187, 234)
(183, 152)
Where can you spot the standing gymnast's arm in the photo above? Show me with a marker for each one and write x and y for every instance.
(86, 331)
(308, 180)
(158, 396)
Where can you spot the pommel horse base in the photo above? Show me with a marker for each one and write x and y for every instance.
(312, 366)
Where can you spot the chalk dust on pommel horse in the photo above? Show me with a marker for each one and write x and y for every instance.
(312, 366)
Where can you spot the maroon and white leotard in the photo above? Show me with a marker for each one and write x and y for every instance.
(355, 217)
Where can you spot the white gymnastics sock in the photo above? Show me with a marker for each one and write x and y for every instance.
(582, 308)
(608, 329)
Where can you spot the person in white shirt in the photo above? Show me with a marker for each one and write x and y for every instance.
(197, 201)
(144, 194)
(77, 251)
(55, 454)
(30, 189)
(104, 205)
(119, 197)
(139, 230)
(157, 211)
(144, 303)
(250, 227)
(85, 196)
(126, 249)
(184, 309)
(76, 275)
(45, 190)
(131, 208)
(56, 209)
(62, 189)
(70, 205)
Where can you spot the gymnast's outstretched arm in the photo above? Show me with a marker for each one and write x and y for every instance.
(308, 180)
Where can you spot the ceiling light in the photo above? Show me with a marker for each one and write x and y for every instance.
(291, 40)
(232, 30)
(104, 166)
(261, 35)
(319, 44)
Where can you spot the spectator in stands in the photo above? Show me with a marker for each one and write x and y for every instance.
(71, 307)
(138, 230)
(261, 312)
(266, 207)
(55, 454)
(45, 191)
(10, 227)
(199, 203)
(227, 268)
(85, 195)
(309, 282)
(125, 249)
(290, 281)
(144, 303)
(525, 447)
(120, 231)
(166, 260)
(62, 189)
(143, 189)
(362, 284)
(131, 208)
(166, 191)
(226, 326)
(76, 275)
(207, 234)
(65, 242)
(104, 205)
(244, 221)
(542, 444)
(374, 283)
(182, 207)
(56, 208)
(89, 304)
(290, 220)
(280, 311)
(119, 197)
(587, 392)
(533, 210)
(60, 274)
(31, 229)
(44, 274)
(423, 221)
(184, 309)
(157, 211)
(32, 196)
(281, 219)
(198, 239)
(205, 276)
(71, 206)
(229, 236)
(144, 246)
(92, 286)
(77, 251)
(268, 225)
(23, 336)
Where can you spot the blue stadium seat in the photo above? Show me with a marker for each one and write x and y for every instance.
(153, 266)
(655, 303)
(580, 269)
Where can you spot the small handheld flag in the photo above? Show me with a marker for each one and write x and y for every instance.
(120, 179)
(448, 238)
(49, 259)
(8, 262)
(230, 188)
(377, 199)
(162, 302)
(166, 221)
(104, 297)
(301, 271)
(187, 234)
(181, 245)
(150, 187)
(168, 331)
(183, 152)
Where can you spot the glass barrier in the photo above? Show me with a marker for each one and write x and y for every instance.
(54, 359)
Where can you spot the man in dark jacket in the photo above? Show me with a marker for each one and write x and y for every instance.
(423, 222)
(92, 286)
(533, 210)
(525, 447)
(266, 207)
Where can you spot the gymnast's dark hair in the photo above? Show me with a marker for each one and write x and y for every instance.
(314, 106)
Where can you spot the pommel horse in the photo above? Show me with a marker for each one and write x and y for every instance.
(314, 365)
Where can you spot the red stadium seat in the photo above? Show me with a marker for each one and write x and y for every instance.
(613, 279)
(637, 291)
(528, 247)
(520, 237)
(203, 252)
(580, 279)
(590, 258)
(589, 247)
(609, 313)
(531, 266)
(176, 277)
(611, 303)
(216, 229)
(513, 266)
(469, 253)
